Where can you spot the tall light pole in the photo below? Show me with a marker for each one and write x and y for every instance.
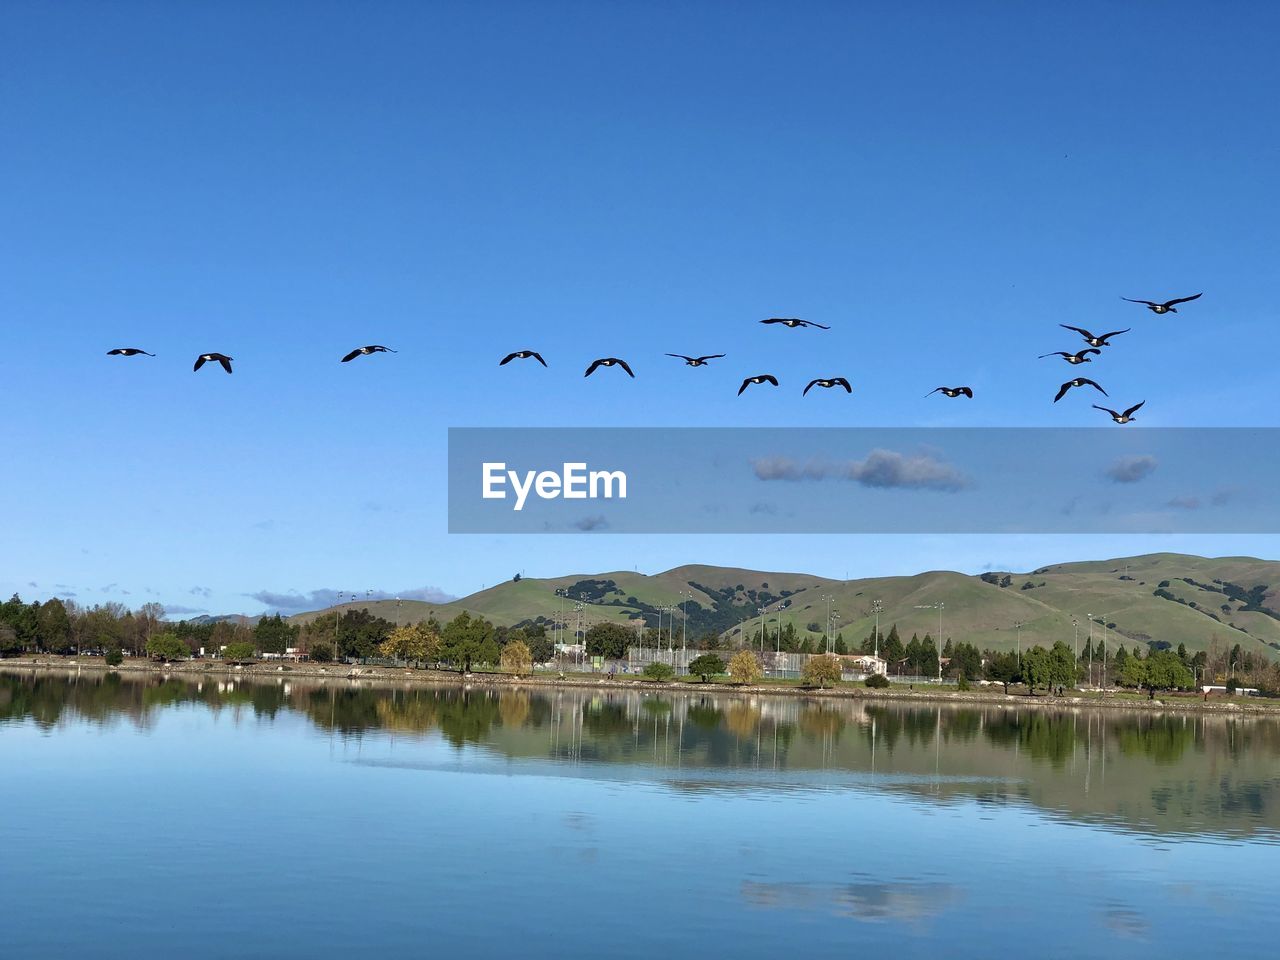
(1018, 624)
(1091, 650)
(684, 627)
(876, 607)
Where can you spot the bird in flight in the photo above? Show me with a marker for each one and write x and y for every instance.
(696, 361)
(1071, 358)
(1098, 341)
(608, 362)
(522, 355)
(128, 352)
(952, 392)
(792, 322)
(762, 378)
(1125, 417)
(221, 358)
(1078, 382)
(833, 382)
(1167, 306)
(365, 351)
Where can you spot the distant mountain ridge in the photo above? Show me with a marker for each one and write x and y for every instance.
(1174, 598)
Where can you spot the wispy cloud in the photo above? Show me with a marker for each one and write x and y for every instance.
(592, 523)
(317, 599)
(1184, 503)
(882, 469)
(181, 611)
(1132, 469)
(201, 592)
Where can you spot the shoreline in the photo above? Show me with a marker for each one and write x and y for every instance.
(196, 670)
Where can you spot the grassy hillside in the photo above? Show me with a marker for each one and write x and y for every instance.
(1170, 597)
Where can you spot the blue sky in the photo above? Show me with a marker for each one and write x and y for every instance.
(941, 185)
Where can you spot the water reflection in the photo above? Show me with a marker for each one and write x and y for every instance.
(1149, 773)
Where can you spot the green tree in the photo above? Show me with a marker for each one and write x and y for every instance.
(321, 652)
(54, 627)
(658, 671)
(608, 640)
(167, 646)
(1133, 673)
(1036, 669)
(821, 671)
(744, 668)
(1002, 668)
(840, 647)
(467, 639)
(1166, 671)
(706, 666)
(877, 681)
(238, 651)
(274, 635)
(1062, 665)
(114, 656)
(516, 658)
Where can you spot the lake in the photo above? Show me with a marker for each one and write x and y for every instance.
(151, 817)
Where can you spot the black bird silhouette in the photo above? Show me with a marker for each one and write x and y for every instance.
(1098, 341)
(1072, 358)
(221, 358)
(1121, 417)
(1167, 306)
(832, 382)
(696, 361)
(522, 355)
(761, 378)
(128, 352)
(792, 322)
(365, 351)
(608, 362)
(952, 391)
(1078, 382)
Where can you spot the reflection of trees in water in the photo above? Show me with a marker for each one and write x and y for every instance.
(742, 719)
(1161, 739)
(907, 901)
(1040, 734)
(820, 722)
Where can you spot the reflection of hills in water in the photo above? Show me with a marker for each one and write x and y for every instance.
(1138, 771)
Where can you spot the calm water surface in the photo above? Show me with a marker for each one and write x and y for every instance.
(306, 819)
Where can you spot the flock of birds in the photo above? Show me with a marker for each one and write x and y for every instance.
(1095, 344)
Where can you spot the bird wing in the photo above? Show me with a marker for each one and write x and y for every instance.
(1149, 303)
(1184, 299)
(505, 360)
(806, 389)
(538, 357)
(1089, 350)
(1062, 391)
(1137, 406)
(199, 363)
(810, 323)
(745, 383)
(933, 391)
(623, 365)
(681, 356)
(1114, 333)
(592, 369)
(1106, 410)
(1056, 353)
(115, 352)
(1080, 330)
(226, 363)
(968, 392)
(770, 378)
(774, 320)
(844, 383)
(1084, 380)
(355, 353)
(713, 356)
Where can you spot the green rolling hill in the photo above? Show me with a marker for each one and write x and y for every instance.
(1157, 597)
